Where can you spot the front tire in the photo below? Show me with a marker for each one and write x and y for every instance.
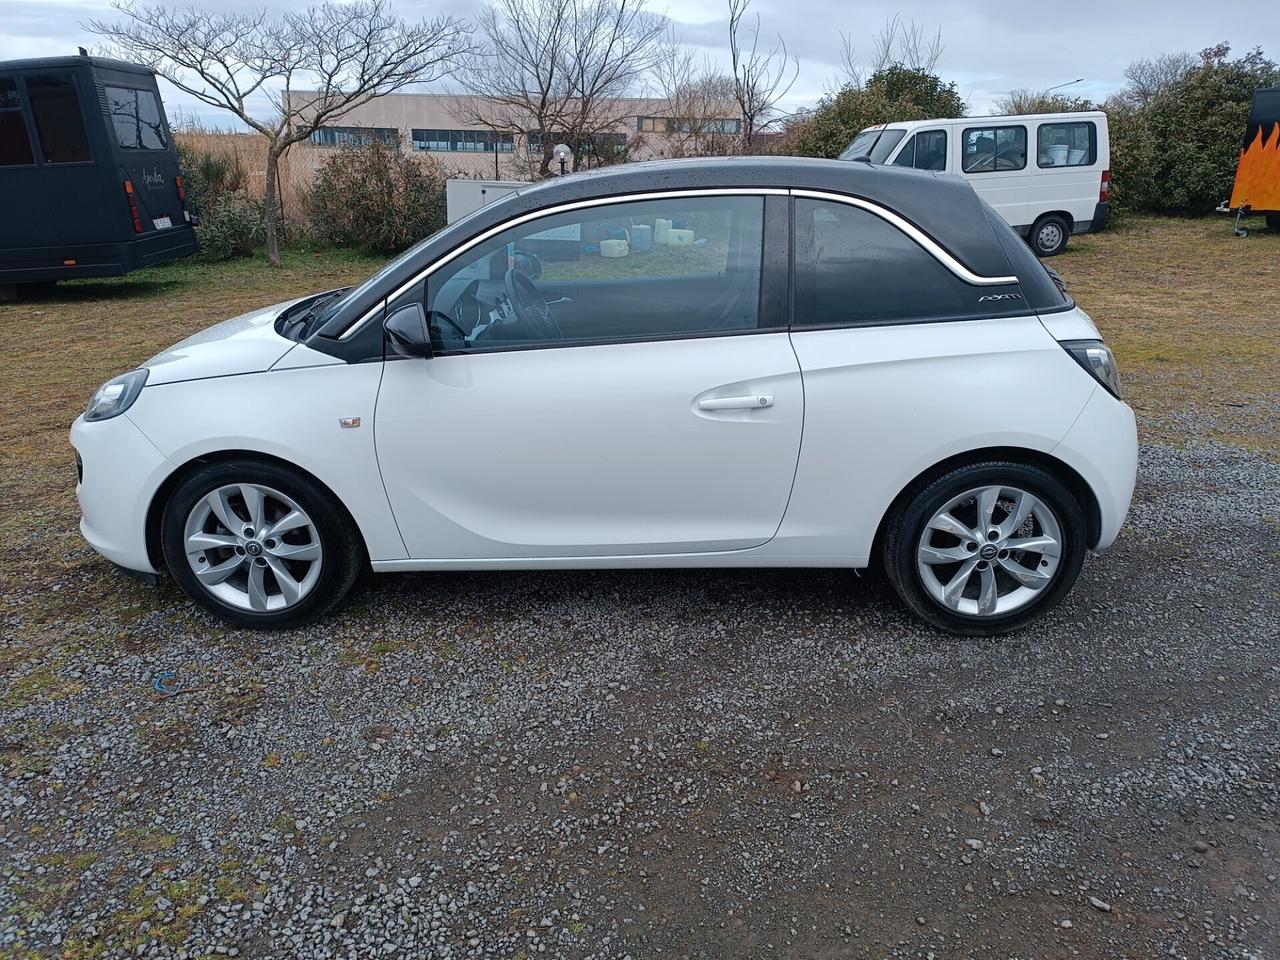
(259, 544)
(1049, 235)
(986, 548)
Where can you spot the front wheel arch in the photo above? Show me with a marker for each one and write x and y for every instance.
(1078, 486)
(155, 512)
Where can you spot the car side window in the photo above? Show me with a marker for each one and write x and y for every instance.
(55, 104)
(1073, 144)
(994, 149)
(638, 270)
(907, 155)
(15, 145)
(931, 150)
(852, 267)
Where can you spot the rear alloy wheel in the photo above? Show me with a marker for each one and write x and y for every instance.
(259, 545)
(987, 548)
(1049, 235)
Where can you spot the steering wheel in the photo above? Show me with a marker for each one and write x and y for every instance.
(529, 305)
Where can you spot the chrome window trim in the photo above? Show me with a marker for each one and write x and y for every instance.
(912, 231)
(493, 231)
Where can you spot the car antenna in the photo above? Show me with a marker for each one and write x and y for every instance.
(866, 157)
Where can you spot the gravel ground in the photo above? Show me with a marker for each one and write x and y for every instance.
(702, 764)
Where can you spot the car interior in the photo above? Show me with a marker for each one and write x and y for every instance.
(631, 271)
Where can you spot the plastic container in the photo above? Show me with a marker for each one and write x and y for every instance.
(641, 237)
(1076, 157)
(661, 228)
(680, 238)
(1057, 154)
(614, 248)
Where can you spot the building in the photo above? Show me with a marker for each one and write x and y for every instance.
(430, 123)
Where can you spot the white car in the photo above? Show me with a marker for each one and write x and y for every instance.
(699, 363)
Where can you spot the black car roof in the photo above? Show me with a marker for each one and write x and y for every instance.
(941, 205)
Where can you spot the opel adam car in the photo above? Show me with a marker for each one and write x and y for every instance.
(700, 363)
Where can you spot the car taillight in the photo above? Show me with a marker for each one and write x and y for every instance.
(182, 196)
(133, 206)
(1104, 192)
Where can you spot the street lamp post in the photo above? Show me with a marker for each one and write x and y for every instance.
(1067, 84)
(562, 153)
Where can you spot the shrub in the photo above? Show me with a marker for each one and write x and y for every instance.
(375, 197)
(893, 93)
(234, 228)
(1178, 152)
(232, 222)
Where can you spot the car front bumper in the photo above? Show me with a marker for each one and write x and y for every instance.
(119, 472)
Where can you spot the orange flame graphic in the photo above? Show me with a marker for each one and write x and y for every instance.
(1258, 173)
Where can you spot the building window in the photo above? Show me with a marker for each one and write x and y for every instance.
(353, 136)
(676, 125)
(596, 145)
(463, 141)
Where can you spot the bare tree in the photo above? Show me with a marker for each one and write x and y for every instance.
(1022, 101)
(557, 69)
(698, 103)
(760, 77)
(1149, 79)
(251, 65)
(896, 44)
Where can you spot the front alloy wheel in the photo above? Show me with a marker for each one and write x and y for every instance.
(260, 544)
(985, 548)
(253, 547)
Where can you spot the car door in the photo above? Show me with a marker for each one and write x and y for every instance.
(663, 417)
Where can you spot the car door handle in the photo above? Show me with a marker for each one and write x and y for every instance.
(756, 402)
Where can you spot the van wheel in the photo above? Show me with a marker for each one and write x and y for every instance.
(1273, 222)
(985, 548)
(1049, 235)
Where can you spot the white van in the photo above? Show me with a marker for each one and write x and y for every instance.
(1048, 174)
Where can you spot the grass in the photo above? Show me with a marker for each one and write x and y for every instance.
(1189, 310)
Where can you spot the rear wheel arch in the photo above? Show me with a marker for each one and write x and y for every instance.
(155, 512)
(1063, 471)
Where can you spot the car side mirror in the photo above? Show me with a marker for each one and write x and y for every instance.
(407, 332)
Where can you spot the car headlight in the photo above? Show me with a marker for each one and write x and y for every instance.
(1097, 358)
(116, 396)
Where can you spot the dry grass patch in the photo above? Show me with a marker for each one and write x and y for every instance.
(1190, 310)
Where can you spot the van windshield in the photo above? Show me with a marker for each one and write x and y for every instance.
(867, 143)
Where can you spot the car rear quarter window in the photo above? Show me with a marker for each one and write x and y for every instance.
(1039, 288)
(55, 105)
(15, 144)
(136, 118)
(854, 268)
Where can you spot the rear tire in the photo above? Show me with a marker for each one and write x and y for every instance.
(936, 547)
(1273, 222)
(259, 544)
(1049, 235)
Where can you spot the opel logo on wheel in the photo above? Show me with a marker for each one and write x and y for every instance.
(988, 551)
(253, 548)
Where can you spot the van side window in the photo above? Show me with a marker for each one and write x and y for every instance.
(15, 145)
(135, 115)
(1067, 144)
(59, 122)
(991, 149)
(852, 267)
(927, 150)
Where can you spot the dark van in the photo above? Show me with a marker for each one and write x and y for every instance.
(89, 178)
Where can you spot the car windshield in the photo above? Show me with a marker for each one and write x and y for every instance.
(355, 293)
(876, 141)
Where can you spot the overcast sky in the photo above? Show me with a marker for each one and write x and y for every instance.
(990, 48)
